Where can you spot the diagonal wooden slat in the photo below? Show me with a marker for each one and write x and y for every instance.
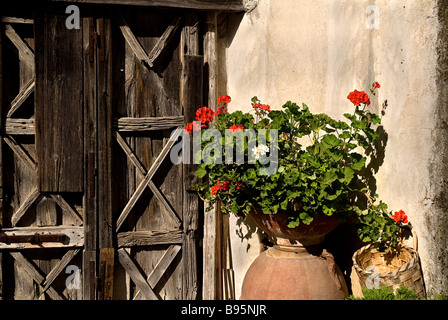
(159, 270)
(35, 274)
(24, 207)
(132, 157)
(170, 214)
(52, 275)
(21, 153)
(164, 40)
(135, 45)
(22, 96)
(25, 50)
(65, 206)
(135, 274)
(144, 183)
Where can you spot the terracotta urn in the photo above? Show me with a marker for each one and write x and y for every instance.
(296, 267)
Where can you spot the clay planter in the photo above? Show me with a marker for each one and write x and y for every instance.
(296, 268)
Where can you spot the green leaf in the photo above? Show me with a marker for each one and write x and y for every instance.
(348, 174)
(293, 222)
(201, 172)
(331, 140)
(330, 177)
(359, 164)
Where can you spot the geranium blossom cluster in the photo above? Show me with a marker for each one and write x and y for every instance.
(206, 115)
(225, 186)
(360, 97)
(400, 216)
(262, 107)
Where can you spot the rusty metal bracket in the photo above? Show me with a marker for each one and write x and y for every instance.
(96, 39)
(33, 238)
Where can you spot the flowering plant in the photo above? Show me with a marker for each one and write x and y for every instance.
(304, 164)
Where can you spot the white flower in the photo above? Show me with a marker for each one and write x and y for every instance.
(261, 150)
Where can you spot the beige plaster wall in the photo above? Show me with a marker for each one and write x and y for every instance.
(316, 52)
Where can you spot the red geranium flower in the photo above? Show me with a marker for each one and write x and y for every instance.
(188, 128)
(376, 85)
(358, 97)
(238, 185)
(236, 128)
(401, 216)
(220, 187)
(263, 107)
(193, 126)
(205, 115)
(225, 98)
(221, 110)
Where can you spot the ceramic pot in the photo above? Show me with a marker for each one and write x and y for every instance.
(296, 267)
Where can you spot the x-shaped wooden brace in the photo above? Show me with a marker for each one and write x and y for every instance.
(35, 194)
(146, 285)
(148, 59)
(147, 181)
(45, 281)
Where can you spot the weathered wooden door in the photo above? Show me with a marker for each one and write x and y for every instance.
(87, 189)
(159, 73)
(42, 221)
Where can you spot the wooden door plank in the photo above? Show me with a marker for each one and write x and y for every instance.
(192, 84)
(90, 146)
(135, 274)
(46, 212)
(74, 237)
(211, 5)
(59, 94)
(210, 252)
(107, 257)
(104, 134)
(88, 275)
(17, 20)
(149, 238)
(20, 126)
(35, 274)
(127, 124)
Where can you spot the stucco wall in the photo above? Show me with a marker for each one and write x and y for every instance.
(316, 52)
